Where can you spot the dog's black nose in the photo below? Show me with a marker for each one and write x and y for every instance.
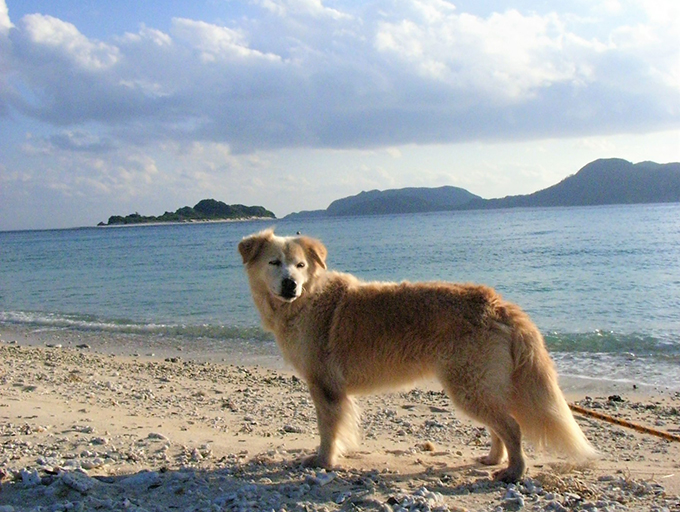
(288, 288)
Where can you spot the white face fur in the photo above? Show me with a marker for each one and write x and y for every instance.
(285, 268)
(282, 265)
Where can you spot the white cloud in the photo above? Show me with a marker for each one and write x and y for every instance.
(325, 96)
(507, 55)
(215, 42)
(397, 72)
(157, 37)
(5, 23)
(662, 12)
(314, 8)
(65, 40)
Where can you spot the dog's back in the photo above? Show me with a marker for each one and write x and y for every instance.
(384, 334)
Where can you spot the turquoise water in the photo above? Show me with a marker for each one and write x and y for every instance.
(602, 283)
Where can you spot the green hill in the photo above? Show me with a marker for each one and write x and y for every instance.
(405, 200)
(205, 210)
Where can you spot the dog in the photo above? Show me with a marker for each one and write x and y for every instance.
(347, 337)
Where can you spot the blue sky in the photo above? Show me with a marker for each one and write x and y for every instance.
(114, 107)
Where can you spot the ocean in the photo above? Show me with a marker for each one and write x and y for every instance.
(602, 283)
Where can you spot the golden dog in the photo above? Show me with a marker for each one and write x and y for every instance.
(348, 337)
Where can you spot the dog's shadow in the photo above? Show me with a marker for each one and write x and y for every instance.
(352, 488)
(263, 483)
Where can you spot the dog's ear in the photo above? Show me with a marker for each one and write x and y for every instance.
(315, 250)
(251, 245)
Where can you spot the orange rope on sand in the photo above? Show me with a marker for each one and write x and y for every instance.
(623, 423)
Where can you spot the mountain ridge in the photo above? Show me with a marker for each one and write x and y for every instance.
(600, 182)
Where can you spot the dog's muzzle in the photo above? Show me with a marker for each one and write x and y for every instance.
(288, 288)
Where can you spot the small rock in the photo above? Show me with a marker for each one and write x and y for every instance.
(572, 498)
(321, 478)
(30, 478)
(342, 497)
(78, 480)
(555, 506)
(145, 480)
(513, 499)
(92, 464)
(427, 446)
(531, 486)
(155, 435)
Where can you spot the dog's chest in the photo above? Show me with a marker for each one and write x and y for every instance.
(295, 351)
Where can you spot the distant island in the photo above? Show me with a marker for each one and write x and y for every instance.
(205, 210)
(404, 200)
(604, 181)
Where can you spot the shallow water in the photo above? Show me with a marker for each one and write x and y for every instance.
(602, 283)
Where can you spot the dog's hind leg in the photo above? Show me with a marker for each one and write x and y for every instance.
(505, 433)
(337, 419)
(485, 400)
(497, 453)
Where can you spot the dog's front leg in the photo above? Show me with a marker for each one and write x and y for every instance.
(334, 409)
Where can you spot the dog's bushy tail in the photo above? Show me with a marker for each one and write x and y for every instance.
(538, 403)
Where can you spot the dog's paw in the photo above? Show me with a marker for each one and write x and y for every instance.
(508, 475)
(317, 461)
(488, 460)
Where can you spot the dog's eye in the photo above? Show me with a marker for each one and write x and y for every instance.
(276, 263)
(301, 264)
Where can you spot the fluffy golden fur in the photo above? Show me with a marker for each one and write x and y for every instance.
(348, 337)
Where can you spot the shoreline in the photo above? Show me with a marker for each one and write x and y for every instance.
(154, 346)
(83, 429)
(182, 222)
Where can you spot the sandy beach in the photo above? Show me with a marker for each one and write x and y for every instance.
(81, 429)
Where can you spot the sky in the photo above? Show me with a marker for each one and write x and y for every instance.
(109, 108)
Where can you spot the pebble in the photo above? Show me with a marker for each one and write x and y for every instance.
(322, 478)
(92, 464)
(155, 435)
(79, 481)
(342, 497)
(513, 497)
(30, 478)
(143, 480)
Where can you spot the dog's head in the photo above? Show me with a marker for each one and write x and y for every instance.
(285, 265)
